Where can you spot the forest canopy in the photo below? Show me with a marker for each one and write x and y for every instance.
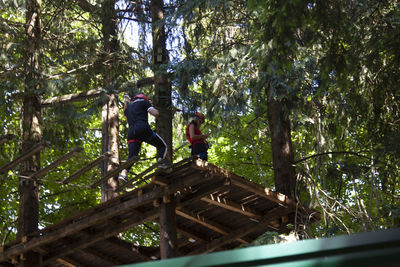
(323, 74)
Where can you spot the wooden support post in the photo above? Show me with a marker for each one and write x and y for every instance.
(168, 238)
(23, 157)
(102, 158)
(56, 163)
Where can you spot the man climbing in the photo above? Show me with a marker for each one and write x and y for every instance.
(136, 111)
(197, 140)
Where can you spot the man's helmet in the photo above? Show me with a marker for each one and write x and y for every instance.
(200, 116)
(143, 96)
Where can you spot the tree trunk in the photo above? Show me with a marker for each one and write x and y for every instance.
(28, 218)
(110, 113)
(162, 86)
(281, 142)
(162, 101)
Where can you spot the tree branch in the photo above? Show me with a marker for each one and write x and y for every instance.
(332, 152)
(86, 6)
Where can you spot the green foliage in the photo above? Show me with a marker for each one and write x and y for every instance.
(334, 64)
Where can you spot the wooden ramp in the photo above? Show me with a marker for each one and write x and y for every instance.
(216, 210)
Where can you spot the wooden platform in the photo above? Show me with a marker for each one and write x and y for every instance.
(216, 210)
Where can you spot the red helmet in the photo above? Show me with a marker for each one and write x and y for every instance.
(143, 96)
(200, 116)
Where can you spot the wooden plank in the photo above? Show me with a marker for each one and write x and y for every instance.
(206, 222)
(275, 197)
(126, 247)
(144, 217)
(79, 225)
(232, 206)
(105, 233)
(114, 172)
(74, 262)
(251, 186)
(244, 230)
(190, 234)
(56, 163)
(106, 213)
(70, 98)
(65, 263)
(23, 157)
(86, 168)
(201, 191)
(76, 217)
(108, 261)
(137, 177)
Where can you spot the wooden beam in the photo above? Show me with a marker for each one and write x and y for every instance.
(190, 234)
(246, 184)
(232, 206)
(56, 163)
(86, 168)
(118, 207)
(267, 193)
(137, 177)
(93, 238)
(114, 172)
(206, 222)
(126, 247)
(65, 263)
(245, 230)
(200, 192)
(71, 98)
(144, 82)
(188, 183)
(23, 157)
(79, 225)
(6, 138)
(108, 261)
(89, 94)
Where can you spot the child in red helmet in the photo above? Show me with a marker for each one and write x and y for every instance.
(196, 138)
(136, 111)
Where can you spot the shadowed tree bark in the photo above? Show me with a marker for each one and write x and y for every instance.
(281, 142)
(28, 218)
(110, 112)
(162, 101)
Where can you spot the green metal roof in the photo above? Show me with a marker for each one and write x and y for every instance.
(380, 248)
